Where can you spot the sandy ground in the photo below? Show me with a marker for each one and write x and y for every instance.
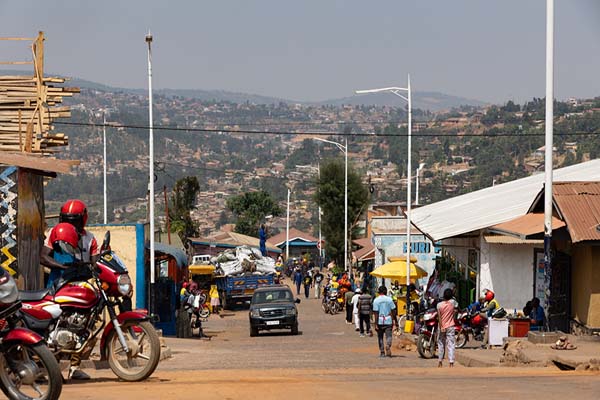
(328, 360)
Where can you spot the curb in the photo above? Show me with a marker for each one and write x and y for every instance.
(472, 362)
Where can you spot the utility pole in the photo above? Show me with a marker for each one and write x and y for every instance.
(549, 142)
(151, 174)
(287, 229)
(167, 214)
(104, 143)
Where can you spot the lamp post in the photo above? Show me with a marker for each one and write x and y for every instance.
(287, 229)
(344, 149)
(408, 98)
(151, 171)
(104, 162)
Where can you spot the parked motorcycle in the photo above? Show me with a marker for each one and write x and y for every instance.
(28, 369)
(429, 331)
(473, 325)
(71, 317)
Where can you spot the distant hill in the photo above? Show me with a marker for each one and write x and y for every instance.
(432, 101)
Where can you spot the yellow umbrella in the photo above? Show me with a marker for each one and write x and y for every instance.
(396, 270)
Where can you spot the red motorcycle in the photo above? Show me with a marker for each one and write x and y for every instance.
(71, 317)
(428, 334)
(473, 324)
(28, 369)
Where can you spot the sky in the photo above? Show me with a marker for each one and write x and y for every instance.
(313, 50)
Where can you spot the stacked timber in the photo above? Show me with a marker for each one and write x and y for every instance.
(28, 106)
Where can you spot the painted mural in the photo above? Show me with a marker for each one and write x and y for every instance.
(8, 213)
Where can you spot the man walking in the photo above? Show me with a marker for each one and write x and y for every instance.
(364, 313)
(307, 283)
(385, 311)
(354, 303)
(298, 279)
(318, 278)
(348, 304)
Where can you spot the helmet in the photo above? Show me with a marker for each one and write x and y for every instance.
(185, 285)
(489, 295)
(75, 213)
(8, 288)
(64, 238)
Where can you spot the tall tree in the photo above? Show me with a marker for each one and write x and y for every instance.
(330, 197)
(183, 201)
(250, 209)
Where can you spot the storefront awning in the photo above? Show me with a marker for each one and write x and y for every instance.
(178, 254)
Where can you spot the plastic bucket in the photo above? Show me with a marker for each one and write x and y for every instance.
(409, 326)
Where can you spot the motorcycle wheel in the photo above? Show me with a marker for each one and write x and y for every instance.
(426, 350)
(205, 313)
(29, 372)
(144, 351)
(461, 339)
(333, 308)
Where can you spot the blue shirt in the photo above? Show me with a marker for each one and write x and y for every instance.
(384, 306)
(57, 273)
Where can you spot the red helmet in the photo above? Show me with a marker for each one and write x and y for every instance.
(75, 213)
(489, 295)
(64, 237)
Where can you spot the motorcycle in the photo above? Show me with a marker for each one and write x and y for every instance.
(429, 331)
(473, 324)
(197, 309)
(28, 369)
(332, 302)
(70, 316)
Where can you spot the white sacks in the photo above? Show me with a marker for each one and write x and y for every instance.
(246, 260)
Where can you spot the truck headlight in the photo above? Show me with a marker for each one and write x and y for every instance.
(255, 313)
(290, 311)
(124, 284)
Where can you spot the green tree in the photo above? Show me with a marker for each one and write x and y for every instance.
(330, 197)
(183, 201)
(250, 209)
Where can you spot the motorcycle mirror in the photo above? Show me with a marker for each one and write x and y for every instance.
(106, 241)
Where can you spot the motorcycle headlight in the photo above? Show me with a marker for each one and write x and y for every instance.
(255, 313)
(290, 311)
(124, 284)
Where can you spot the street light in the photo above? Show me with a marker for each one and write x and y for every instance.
(344, 149)
(151, 171)
(397, 91)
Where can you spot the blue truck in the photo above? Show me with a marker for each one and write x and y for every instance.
(238, 289)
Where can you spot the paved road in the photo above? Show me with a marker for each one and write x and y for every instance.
(327, 360)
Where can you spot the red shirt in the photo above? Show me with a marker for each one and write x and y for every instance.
(446, 313)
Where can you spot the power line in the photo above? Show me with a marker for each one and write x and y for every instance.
(316, 133)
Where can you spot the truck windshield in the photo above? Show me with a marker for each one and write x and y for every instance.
(269, 296)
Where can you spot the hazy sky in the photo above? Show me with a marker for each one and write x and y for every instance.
(492, 50)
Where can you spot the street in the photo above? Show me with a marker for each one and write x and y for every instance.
(327, 359)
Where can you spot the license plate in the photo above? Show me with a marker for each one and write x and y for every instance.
(272, 322)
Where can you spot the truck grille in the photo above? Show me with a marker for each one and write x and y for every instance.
(271, 313)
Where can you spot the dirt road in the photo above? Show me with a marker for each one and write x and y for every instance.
(327, 360)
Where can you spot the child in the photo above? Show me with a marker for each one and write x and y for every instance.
(214, 299)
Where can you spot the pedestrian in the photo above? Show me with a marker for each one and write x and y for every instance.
(262, 238)
(364, 313)
(298, 280)
(354, 303)
(318, 278)
(348, 304)
(447, 334)
(307, 281)
(215, 302)
(385, 311)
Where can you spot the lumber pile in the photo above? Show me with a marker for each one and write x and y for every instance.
(28, 106)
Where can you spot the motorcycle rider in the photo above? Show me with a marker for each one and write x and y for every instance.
(74, 212)
(490, 306)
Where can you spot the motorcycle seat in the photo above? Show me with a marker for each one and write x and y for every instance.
(33, 295)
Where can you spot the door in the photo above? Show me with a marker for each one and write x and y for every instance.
(559, 300)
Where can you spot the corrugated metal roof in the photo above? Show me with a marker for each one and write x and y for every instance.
(528, 224)
(493, 205)
(503, 239)
(579, 203)
(294, 233)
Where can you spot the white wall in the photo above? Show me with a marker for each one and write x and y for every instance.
(507, 270)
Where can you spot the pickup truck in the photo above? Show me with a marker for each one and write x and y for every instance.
(237, 289)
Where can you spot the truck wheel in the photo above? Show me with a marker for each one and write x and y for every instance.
(253, 331)
(295, 329)
(224, 302)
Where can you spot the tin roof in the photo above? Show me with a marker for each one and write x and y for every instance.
(493, 205)
(579, 204)
(280, 238)
(526, 225)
